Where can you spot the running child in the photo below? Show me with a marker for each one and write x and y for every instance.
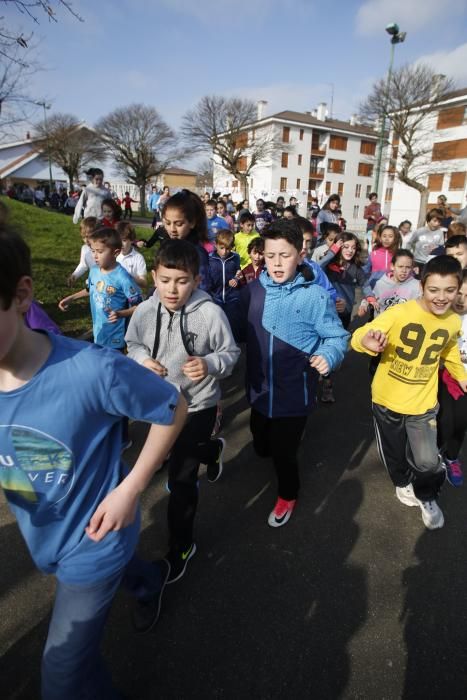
(399, 285)
(253, 270)
(222, 212)
(127, 201)
(405, 231)
(224, 266)
(215, 223)
(129, 258)
(386, 243)
(92, 196)
(294, 334)
(245, 235)
(76, 504)
(86, 258)
(262, 216)
(412, 338)
(457, 247)
(424, 240)
(329, 238)
(182, 336)
(111, 213)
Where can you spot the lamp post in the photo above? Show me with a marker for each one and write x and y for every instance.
(397, 37)
(46, 106)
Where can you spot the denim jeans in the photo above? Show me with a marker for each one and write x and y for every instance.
(72, 667)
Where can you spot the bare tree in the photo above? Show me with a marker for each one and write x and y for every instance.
(140, 142)
(221, 125)
(205, 174)
(408, 101)
(69, 144)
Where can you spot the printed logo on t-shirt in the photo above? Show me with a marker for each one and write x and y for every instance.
(34, 466)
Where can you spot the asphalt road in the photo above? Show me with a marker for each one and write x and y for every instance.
(354, 598)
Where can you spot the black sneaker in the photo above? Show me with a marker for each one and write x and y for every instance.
(178, 562)
(146, 613)
(214, 469)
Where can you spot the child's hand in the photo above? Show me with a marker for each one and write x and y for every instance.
(320, 364)
(363, 308)
(463, 385)
(375, 340)
(69, 281)
(117, 510)
(140, 244)
(233, 283)
(340, 306)
(63, 304)
(195, 368)
(113, 316)
(156, 367)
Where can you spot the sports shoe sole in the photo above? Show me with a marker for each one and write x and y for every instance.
(191, 554)
(220, 462)
(272, 522)
(430, 525)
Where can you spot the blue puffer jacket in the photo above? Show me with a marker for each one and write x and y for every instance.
(287, 323)
(221, 271)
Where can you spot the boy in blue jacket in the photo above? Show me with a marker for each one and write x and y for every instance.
(224, 264)
(294, 334)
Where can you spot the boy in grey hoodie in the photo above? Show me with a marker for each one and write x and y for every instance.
(181, 335)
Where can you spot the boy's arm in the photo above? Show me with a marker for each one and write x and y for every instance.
(64, 303)
(373, 337)
(137, 350)
(330, 255)
(334, 338)
(118, 509)
(219, 363)
(121, 313)
(453, 363)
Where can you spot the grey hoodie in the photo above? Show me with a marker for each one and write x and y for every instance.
(207, 333)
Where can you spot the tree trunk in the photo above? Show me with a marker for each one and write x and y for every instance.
(244, 186)
(142, 199)
(423, 207)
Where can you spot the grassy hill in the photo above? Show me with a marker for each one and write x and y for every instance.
(55, 245)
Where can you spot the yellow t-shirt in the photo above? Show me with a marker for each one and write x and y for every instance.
(242, 241)
(406, 380)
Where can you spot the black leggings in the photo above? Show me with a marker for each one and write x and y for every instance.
(279, 438)
(452, 422)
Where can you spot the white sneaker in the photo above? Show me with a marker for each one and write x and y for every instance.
(406, 495)
(432, 515)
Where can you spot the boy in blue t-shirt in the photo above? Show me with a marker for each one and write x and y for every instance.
(61, 403)
(113, 293)
(215, 223)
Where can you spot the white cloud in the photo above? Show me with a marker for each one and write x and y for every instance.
(451, 63)
(411, 15)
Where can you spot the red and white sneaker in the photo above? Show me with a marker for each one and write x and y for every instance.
(281, 513)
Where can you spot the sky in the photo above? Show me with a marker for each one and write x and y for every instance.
(292, 53)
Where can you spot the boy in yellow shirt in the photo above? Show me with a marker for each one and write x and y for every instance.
(412, 338)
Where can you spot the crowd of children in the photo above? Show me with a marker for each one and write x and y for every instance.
(273, 283)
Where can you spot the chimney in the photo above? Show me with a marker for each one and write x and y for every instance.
(437, 85)
(260, 104)
(322, 111)
(309, 113)
(354, 120)
(28, 135)
(314, 113)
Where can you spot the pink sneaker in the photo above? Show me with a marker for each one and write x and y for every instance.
(281, 513)
(454, 471)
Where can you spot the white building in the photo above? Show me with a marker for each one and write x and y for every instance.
(444, 139)
(320, 156)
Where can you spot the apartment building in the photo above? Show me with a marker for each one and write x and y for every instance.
(443, 137)
(315, 156)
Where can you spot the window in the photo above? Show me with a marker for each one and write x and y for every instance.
(340, 189)
(388, 194)
(302, 131)
(356, 211)
(435, 183)
(449, 150)
(454, 116)
(457, 181)
(298, 183)
(300, 159)
(328, 188)
(315, 145)
(241, 163)
(336, 166)
(286, 134)
(368, 190)
(339, 143)
(242, 140)
(368, 148)
(358, 191)
(365, 169)
(284, 160)
(283, 187)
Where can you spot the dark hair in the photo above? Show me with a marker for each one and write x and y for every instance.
(15, 262)
(117, 211)
(464, 275)
(193, 210)
(288, 229)
(443, 265)
(291, 209)
(178, 255)
(225, 236)
(246, 216)
(397, 237)
(456, 228)
(330, 228)
(211, 203)
(305, 225)
(280, 197)
(401, 253)
(126, 229)
(256, 244)
(92, 172)
(434, 214)
(455, 241)
(332, 198)
(373, 194)
(406, 221)
(260, 200)
(108, 236)
(347, 236)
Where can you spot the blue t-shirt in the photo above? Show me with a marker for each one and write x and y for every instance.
(214, 225)
(60, 453)
(111, 291)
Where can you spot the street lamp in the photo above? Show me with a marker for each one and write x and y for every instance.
(397, 37)
(46, 106)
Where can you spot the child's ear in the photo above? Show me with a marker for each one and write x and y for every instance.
(197, 281)
(24, 294)
(302, 255)
(117, 252)
(154, 277)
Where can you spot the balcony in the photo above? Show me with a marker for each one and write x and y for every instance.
(318, 152)
(316, 173)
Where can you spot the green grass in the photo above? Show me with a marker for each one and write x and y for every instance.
(55, 246)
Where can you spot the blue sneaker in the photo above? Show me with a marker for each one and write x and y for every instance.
(454, 471)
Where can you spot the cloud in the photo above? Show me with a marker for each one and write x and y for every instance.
(411, 15)
(451, 63)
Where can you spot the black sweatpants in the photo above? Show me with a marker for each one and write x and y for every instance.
(408, 449)
(452, 422)
(192, 448)
(279, 438)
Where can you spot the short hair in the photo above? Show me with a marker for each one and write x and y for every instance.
(211, 203)
(456, 228)
(406, 221)
(15, 262)
(434, 214)
(225, 236)
(246, 216)
(291, 209)
(288, 229)
(177, 254)
(455, 241)
(443, 265)
(305, 225)
(126, 230)
(373, 194)
(401, 253)
(88, 223)
(108, 236)
(92, 172)
(260, 200)
(256, 244)
(330, 228)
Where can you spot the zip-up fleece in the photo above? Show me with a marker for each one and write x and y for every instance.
(287, 323)
(345, 278)
(202, 328)
(221, 271)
